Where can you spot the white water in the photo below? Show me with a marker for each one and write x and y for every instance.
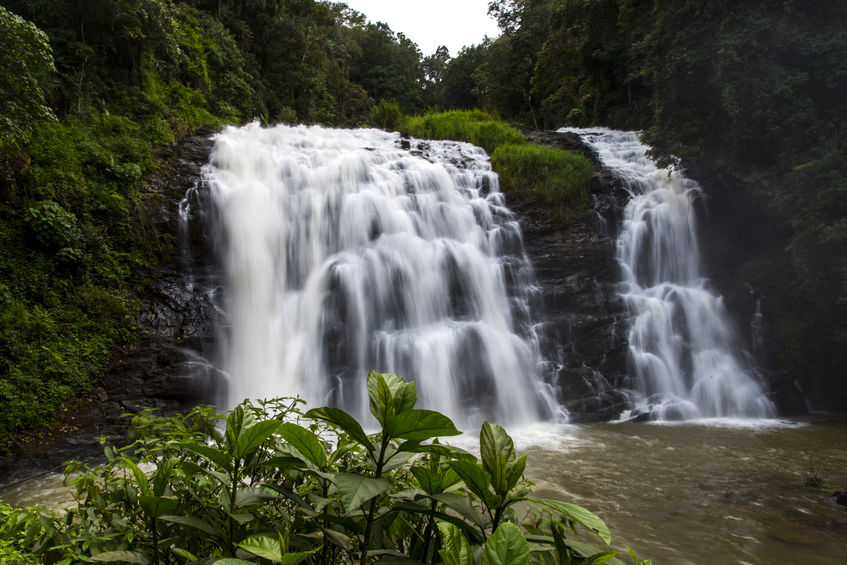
(682, 347)
(345, 253)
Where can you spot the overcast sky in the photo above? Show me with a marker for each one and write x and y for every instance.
(430, 23)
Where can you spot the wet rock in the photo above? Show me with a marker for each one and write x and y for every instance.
(585, 320)
(840, 497)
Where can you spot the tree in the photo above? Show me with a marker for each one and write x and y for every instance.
(26, 65)
(387, 65)
(458, 88)
(434, 69)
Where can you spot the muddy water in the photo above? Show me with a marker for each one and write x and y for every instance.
(678, 494)
(703, 494)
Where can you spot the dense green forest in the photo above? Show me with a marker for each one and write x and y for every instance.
(90, 88)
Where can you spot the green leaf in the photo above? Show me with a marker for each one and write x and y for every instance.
(236, 422)
(140, 477)
(392, 557)
(357, 489)
(305, 442)
(515, 472)
(438, 449)
(280, 463)
(462, 505)
(247, 496)
(429, 480)
(292, 558)
(395, 458)
(578, 514)
(380, 399)
(192, 522)
(194, 469)
(120, 557)
(155, 506)
(163, 475)
(211, 454)
(184, 553)
(341, 540)
(457, 550)
(507, 546)
(601, 558)
(263, 546)
(474, 477)
(405, 396)
(341, 419)
(470, 530)
(635, 559)
(418, 425)
(242, 517)
(497, 451)
(252, 437)
(285, 491)
(232, 561)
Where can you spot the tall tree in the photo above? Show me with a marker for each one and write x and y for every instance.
(26, 65)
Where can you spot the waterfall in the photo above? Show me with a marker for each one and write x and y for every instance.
(345, 252)
(683, 349)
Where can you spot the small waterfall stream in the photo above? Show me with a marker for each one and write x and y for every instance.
(344, 252)
(682, 347)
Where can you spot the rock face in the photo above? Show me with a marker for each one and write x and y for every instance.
(177, 321)
(585, 319)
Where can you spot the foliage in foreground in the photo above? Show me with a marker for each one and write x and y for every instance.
(557, 178)
(267, 483)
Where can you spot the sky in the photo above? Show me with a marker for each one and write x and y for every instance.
(430, 23)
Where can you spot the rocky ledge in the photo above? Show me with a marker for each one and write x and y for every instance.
(585, 319)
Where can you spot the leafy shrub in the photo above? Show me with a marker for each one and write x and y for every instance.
(269, 483)
(386, 115)
(52, 225)
(26, 61)
(559, 178)
(473, 126)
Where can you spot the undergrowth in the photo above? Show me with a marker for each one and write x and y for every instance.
(269, 483)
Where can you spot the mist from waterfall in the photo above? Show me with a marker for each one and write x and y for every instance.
(683, 350)
(344, 252)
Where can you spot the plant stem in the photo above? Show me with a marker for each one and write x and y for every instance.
(233, 491)
(367, 538)
(428, 531)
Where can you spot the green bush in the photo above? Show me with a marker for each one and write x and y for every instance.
(473, 126)
(52, 225)
(386, 115)
(267, 483)
(559, 178)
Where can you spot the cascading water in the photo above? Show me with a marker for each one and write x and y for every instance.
(682, 346)
(344, 252)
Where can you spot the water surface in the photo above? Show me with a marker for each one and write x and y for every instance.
(703, 494)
